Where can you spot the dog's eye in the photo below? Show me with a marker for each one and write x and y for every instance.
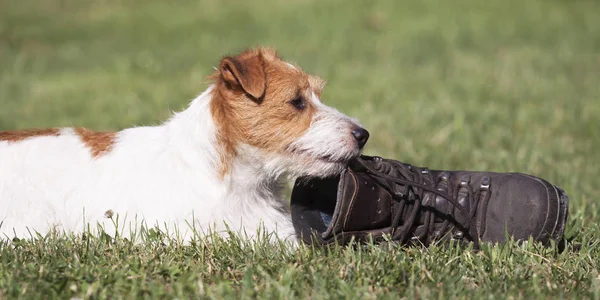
(298, 103)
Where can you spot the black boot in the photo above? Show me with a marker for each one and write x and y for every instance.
(376, 197)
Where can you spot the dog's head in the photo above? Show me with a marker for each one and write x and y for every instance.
(271, 110)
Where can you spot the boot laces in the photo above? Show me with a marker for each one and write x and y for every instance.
(416, 189)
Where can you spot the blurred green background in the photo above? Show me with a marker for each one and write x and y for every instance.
(468, 84)
(488, 85)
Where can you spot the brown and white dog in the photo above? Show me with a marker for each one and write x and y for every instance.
(221, 163)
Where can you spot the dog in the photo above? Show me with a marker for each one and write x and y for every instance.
(218, 166)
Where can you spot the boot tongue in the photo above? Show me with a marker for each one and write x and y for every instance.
(361, 206)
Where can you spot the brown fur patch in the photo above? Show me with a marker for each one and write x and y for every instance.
(244, 113)
(99, 142)
(19, 135)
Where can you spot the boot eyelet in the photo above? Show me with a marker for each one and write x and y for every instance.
(458, 235)
(485, 183)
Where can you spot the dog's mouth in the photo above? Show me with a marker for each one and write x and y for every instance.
(328, 158)
(332, 159)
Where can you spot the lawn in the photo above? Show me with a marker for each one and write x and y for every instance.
(487, 85)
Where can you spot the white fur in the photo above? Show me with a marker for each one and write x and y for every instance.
(163, 175)
(329, 135)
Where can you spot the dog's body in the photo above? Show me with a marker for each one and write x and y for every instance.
(219, 163)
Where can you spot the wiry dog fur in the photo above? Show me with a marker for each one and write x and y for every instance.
(221, 161)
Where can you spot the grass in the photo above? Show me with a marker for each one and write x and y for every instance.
(496, 85)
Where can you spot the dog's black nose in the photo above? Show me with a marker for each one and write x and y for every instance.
(361, 135)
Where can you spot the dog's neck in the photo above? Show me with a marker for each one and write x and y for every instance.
(251, 177)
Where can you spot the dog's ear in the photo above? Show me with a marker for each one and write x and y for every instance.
(246, 73)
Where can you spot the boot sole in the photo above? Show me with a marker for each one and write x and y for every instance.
(559, 230)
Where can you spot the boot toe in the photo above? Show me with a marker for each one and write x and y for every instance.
(524, 206)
